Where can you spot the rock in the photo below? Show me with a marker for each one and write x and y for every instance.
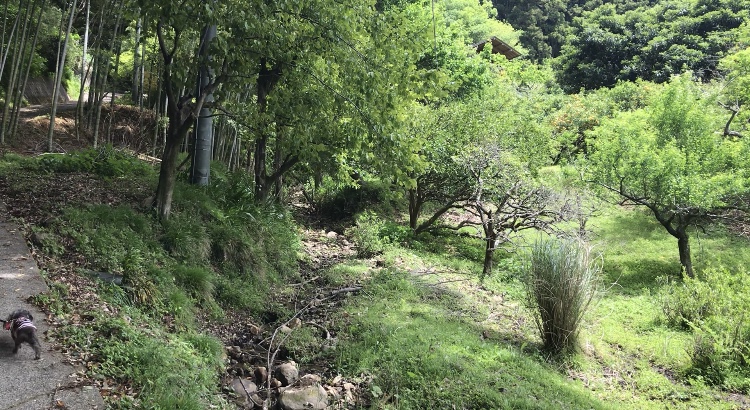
(38, 238)
(285, 329)
(287, 373)
(304, 398)
(310, 380)
(253, 329)
(242, 388)
(234, 351)
(275, 383)
(332, 235)
(261, 375)
(148, 203)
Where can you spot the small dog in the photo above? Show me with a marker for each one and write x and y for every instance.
(22, 329)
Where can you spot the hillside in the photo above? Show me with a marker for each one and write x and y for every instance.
(412, 325)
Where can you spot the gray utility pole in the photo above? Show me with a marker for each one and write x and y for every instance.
(203, 131)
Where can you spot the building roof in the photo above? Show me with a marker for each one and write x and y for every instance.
(498, 47)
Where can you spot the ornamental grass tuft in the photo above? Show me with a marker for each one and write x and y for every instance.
(563, 277)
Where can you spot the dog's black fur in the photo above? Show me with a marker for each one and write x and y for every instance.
(26, 334)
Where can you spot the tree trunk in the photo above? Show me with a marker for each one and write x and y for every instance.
(489, 248)
(168, 174)
(10, 37)
(683, 244)
(415, 207)
(25, 76)
(17, 57)
(58, 77)
(203, 142)
(267, 79)
(135, 92)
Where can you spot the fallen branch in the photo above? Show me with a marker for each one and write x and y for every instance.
(447, 281)
(306, 282)
(337, 292)
(328, 334)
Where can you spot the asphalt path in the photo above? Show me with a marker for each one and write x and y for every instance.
(25, 383)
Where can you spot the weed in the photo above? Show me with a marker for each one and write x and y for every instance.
(714, 306)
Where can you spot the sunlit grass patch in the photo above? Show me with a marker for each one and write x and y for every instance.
(420, 357)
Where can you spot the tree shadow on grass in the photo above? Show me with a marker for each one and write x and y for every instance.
(426, 347)
(635, 276)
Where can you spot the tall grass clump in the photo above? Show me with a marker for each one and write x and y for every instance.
(562, 279)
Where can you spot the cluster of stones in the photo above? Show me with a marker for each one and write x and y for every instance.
(289, 390)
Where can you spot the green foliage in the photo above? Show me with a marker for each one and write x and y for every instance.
(117, 240)
(652, 42)
(563, 278)
(368, 234)
(199, 282)
(340, 201)
(158, 363)
(669, 159)
(186, 238)
(714, 306)
(104, 161)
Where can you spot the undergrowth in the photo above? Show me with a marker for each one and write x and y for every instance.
(218, 251)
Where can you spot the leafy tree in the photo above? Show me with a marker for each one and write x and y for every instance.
(668, 158)
(324, 79)
(441, 181)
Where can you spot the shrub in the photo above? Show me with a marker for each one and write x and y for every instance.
(714, 306)
(561, 280)
(339, 201)
(367, 234)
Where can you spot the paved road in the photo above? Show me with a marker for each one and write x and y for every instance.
(25, 383)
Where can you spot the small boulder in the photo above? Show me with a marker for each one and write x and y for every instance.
(242, 388)
(332, 235)
(287, 373)
(304, 398)
(310, 380)
(295, 323)
(261, 375)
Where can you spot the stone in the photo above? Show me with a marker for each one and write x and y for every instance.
(304, 398)
(261, 375)
(287, 373)
(332, 235)
(295, 323)
(310, 380)
(242, 388)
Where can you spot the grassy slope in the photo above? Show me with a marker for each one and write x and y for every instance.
(430, 334)
(426, 333)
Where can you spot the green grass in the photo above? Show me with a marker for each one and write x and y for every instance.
(420, 355)
(416, 331)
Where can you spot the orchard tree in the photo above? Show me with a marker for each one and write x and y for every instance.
(507, 199)
(439, 181)
(669, 158)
